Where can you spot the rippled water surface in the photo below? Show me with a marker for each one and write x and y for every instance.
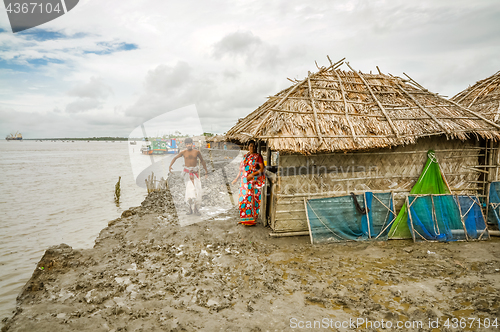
(52, 193)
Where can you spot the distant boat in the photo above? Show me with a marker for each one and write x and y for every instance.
(133, 143)
(14, 137)
(160, 146)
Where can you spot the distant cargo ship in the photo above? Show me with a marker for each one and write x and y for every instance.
(14, 137)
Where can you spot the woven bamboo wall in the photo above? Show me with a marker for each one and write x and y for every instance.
(393, 170)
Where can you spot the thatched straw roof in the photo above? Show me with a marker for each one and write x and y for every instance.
(483, 97)
(336, 110)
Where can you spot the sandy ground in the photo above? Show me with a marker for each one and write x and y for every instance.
(146, 272)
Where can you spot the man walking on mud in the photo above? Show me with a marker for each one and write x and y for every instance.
(191, 175)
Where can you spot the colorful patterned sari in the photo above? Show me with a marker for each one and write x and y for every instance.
(250, 191)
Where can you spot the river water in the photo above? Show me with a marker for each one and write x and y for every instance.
(53, 193)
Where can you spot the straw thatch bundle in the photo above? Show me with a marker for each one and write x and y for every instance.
(483, 97)
(335, 110)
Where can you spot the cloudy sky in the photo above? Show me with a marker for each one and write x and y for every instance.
(105, 67)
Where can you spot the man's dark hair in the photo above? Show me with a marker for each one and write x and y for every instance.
(188, 140)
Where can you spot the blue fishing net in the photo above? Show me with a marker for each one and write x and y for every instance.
(337, 219)
(494, 204)
(470, 207)
(445, 218)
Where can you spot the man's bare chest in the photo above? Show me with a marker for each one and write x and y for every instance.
(190, 157)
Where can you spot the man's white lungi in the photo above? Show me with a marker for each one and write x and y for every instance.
(193, 187)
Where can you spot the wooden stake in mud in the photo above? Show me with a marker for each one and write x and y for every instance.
(117, 191)
(211, 159)
(228, 186)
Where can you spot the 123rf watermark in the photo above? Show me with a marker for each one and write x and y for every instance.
(363, 323)
(26, 14)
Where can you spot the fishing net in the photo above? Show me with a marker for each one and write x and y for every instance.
(431, 181)
(470, 207)
(494, 204)
(350, 218)
(445, 218)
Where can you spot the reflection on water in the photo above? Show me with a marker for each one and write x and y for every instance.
(52, 193)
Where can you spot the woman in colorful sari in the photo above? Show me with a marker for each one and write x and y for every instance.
(251, 181)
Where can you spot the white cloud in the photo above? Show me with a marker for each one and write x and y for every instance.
(237, 43)
(167, 79)
(82, 105)
(247, 46)
(94, 89)
(227, 57)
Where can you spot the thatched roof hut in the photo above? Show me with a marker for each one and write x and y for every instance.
(338, 132)
(482, 97)
(336, 110)
(220, 142)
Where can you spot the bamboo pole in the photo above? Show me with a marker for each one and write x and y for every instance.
(287, 234)
(477, 96)
(411, 219)
(335, 193)
(456, 104)
(329, 80)
(316, 125)
(484, 218)
(462, 216)
(319, 99)
(415, 82)
(436, 226)
(475, 169)
(375, 136)
(283, 100)
(497, 113)
(494, 233)
(357, 192)
(289, 211)
(490, 176)
(389, 224)
(259, 126)
(392, 106)
(388, 208)
(308, 222)
(399, 152)
(471, 90)
(354, 91)
(251, 117)
(345, 109)
(367, 216)
(423, 109)
(378, 102)
(333, 66)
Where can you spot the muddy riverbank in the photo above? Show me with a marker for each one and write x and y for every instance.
(148, 273)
